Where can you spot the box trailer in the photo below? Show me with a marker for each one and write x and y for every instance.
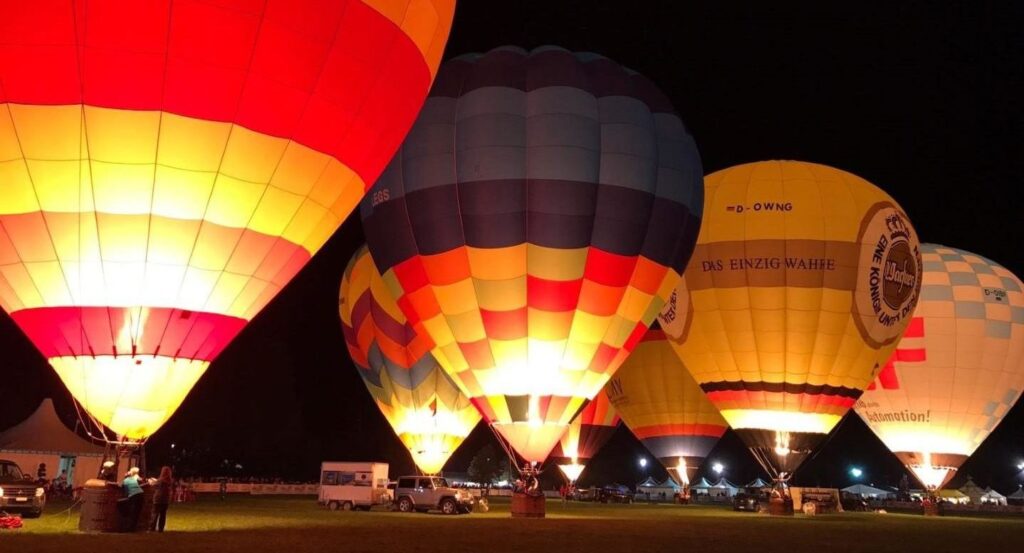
(349, 486)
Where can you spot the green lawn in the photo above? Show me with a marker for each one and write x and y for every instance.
(293, 525)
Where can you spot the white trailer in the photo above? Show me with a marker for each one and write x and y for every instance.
(348, 486)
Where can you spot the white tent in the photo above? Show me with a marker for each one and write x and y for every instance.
(869, 492)
(700, 487)
(652, 489)
(722, 488)
(758, 483)
(972, 491)
(1017, 497)
(43, 438)
(993, 497)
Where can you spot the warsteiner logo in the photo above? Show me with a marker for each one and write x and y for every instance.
(676, 315)
(887, 290)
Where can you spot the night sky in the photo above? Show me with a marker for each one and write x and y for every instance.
(922, 100)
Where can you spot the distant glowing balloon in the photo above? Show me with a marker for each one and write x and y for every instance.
(587, 434)
(419, 401)
(533, 224)
(166, 167)
(665, 409)
(803, 279)
(958, 369)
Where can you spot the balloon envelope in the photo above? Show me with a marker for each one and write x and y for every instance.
(803, 279)
(586, 435)
(166, 167)
(419, 401)
(958, 369)
(532, 224)
(664, 407)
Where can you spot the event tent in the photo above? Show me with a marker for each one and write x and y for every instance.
(953, 496)
(723, 488)
(973, 491)
(701, 487)
(43, 438)
(1017, 497)
(869, 492)
(758, 483)
(653, 489)
(993, 497)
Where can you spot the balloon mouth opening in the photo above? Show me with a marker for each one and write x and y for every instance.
(572, 471)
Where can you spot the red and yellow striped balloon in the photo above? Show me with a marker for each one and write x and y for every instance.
(167, 166)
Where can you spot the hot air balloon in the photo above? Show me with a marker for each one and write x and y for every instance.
(803, 280)
(166, 167)
(419, 401)
(587, 434)
(958, 369)
(532, 224)
(665, 409)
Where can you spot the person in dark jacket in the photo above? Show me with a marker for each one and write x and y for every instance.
(162, 498)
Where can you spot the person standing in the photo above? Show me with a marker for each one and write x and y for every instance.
(162, 499)
(131, 504)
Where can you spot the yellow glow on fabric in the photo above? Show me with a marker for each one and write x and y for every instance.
(572, 471)
(532, 441)
(132, 396)
(781, 421)
(931, 476)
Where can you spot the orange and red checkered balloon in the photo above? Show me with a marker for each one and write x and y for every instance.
(533, 224)
(167, 166)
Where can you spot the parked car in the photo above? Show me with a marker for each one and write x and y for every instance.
(615, 494)
(18, 493)
(750, 499)
(851, 502)
(425, 493)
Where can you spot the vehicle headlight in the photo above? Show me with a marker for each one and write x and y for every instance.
(40, 492)
(1, 492)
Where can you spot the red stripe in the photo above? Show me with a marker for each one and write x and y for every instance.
(483, 407)
(74, 331)
(603, 357)
(679, 429)
(505, 325)
(635, 337)
(477, 354)
(552, 295)
(745, 399)
(412, 274)
(338, 77)
(608, 268)
(912, 355)
(915, 329)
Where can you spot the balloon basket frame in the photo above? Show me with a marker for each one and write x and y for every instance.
(528, 505)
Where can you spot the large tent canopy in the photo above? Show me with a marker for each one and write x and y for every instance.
(865, 490)
(43, 438)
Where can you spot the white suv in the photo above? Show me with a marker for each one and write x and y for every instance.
(423, 493)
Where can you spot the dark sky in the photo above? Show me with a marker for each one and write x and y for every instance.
(922, 99)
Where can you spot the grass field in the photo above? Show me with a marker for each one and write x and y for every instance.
(294, 525)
